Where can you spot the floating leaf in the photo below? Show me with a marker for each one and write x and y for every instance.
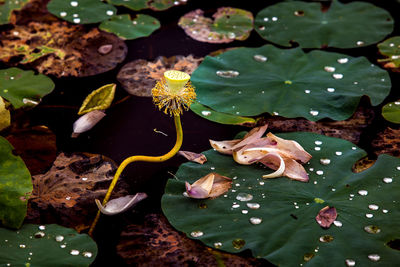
(7, 7)
(275, 218)
(75, 53)
(24, 87)
(15, 187)
(229, 24)
(342, 25)
(139, 76)
(391, 49)
(5, 118)
(391, 112)
(99, 99)
(81, 11)
(125, 28)
(156, 5)
(46, 245)
(289, 83)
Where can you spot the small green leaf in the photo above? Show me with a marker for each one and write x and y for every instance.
(81, 11)
(391, 49)
(125, 28)
(7, 7)
(43, 50)
(15, 187)
(275, 218)
(220, 117)
(5, 118)
(99, 99)
(24, 88)
(46, 246)
(342, 25)
(391, 112)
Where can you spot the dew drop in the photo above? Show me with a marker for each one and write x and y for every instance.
(372, 229)
(374, 257)
(308, 256)
(343, 60)
(307, 91)
(231, 35)
(238, 243)
(235, 206)
(330, 90)
(260, 58)
(338, 223)
(373, 207)
(274, 18)
(253, 206)
(244, 197)
(319, 172)
(337, 76)
(326, 239)
(39, 234)
(261, 183)
(325, 161)
(391, 44)
(385, 211)
(59, 238)
(363, 192)
(110, 12)
(387, 180)
(255, 220)
(77, 20)
(74, 3)
(266, 19)
(63, 246)
(245, 211)
(42, 227)
(63, 14)
(318, 143)
(212, 168)
(360, 43)
(227, 73)
(206, 113)
(329, 69)
(197, 233)
(317, 148)
(74, 252)
(338, 153)
(369, 215)
(261, 28)
(217, 244)
(75, 15)
(22, 246)
(314, 112)
(350, 262)
(87, 254)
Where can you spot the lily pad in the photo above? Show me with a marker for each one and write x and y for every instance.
(5, 118)
(7, 7)
(46, 245)
(126, 28)
(156, 5)
(390, 48)
(289, 83)
(77, 52)
(229, 24)
(342, 25)
(275, 218)
(15, 187)
(99, 99)
(81, 11)
(391, 112)
(23, 88)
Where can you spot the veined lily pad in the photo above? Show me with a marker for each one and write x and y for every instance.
(391, 112)
(156, 5)
(7, 7)
(46, 245)
(275, 218)
(391, 49)
(289, 83)
(15, 187)
(81, 11)
(5, 118)
(24, 87)
(229, 24)
(99, 99)
(342, 25)
(125, 28)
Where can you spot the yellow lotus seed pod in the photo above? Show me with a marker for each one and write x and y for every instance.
(176, 80)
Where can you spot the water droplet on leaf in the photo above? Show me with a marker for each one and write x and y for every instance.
(196, 233)
(326, 238)
(253, 206)
(260, 58)
(363, 192)
(350, 262)
(325, 161)
(374, 257)
(74, 252)
(387, 180)
(238, 243)
(255, 220)
(244, 197)
(372, 229)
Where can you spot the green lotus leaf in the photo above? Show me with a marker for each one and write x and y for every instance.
(24, 88)
(391, 112)
(229, 24)
(47, 246)
(342, 25)
(7, 7)
(15, 187)
(275, 218)
(5, 119)
(125, 28)
(156, 5)
(289, 83)
(99, 99)
(391, 49)
(220, 117)
(81, 11)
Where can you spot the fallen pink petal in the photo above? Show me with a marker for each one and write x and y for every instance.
(326, 216)
(210, 186)
(195, 157)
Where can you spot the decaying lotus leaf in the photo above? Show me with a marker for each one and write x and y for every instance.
(61, 49)
(138, 77)
(387, 142)
(229, 24)
(210, 186)
(99, 99)
(195, 157)
(67, 192)
(5, 118)
(121, 204)
(326, 216)
(7, 7)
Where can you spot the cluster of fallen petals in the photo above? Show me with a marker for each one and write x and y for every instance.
(284, 156)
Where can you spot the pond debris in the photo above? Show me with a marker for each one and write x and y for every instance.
(326, 216)
(210, 186)
(194, 157)
(159, 132)
(87, 122)
(121, 204)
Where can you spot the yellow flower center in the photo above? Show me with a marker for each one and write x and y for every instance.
(176, 80)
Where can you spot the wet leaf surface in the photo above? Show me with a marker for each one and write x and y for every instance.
(390, 48)
(275, 218)
(128, 28)
(157, 5)
(341, 25)
(228, 24)
(139, 77)
(61, 49)
(99, 99)
(391, 112)
(66, 193)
